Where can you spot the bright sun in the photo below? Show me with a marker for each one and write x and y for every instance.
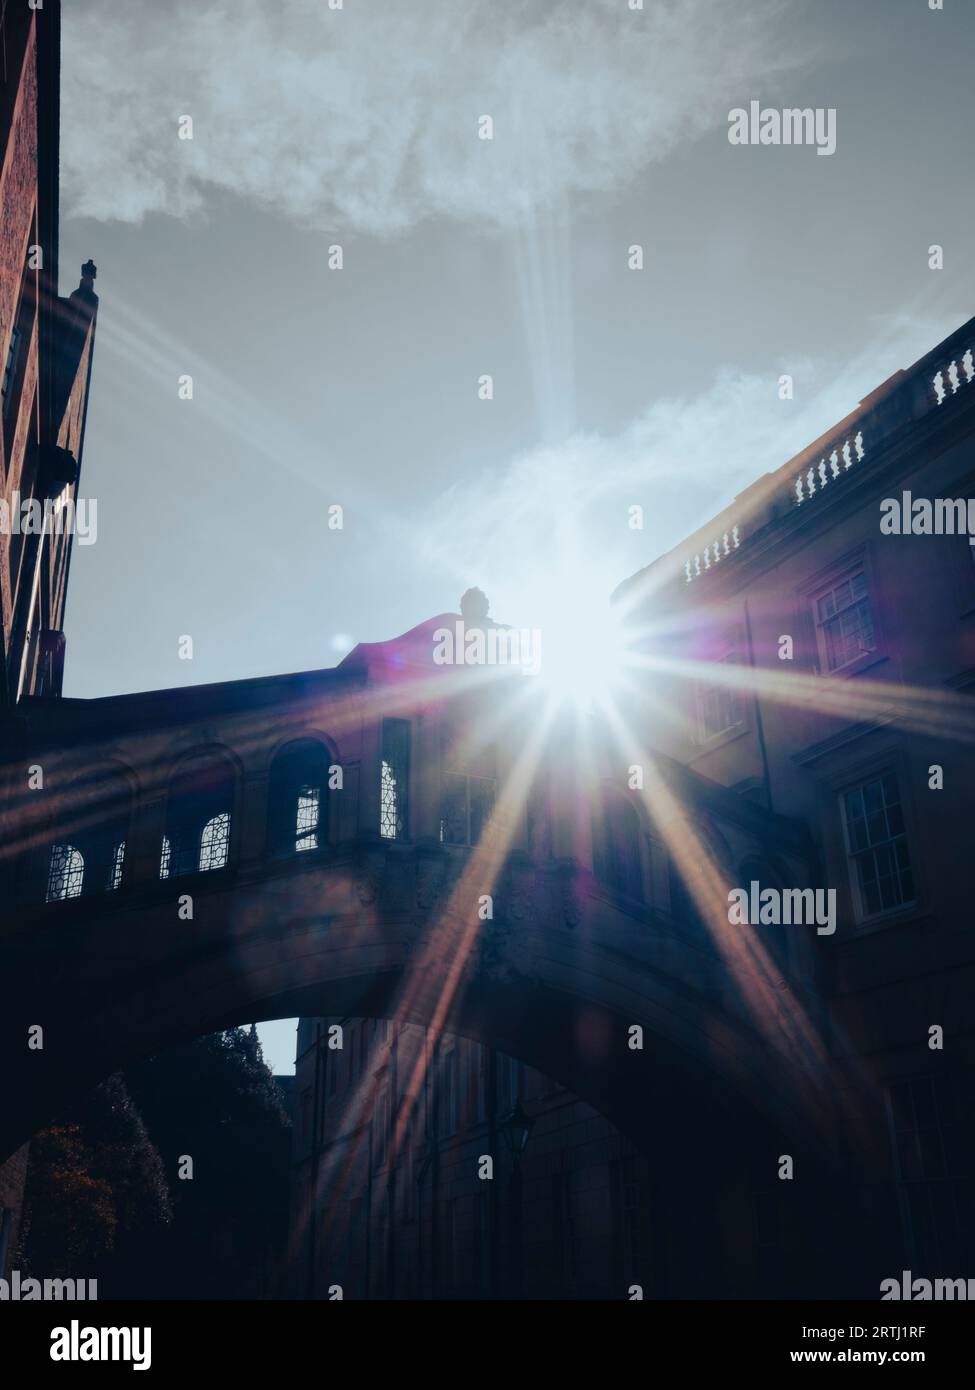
(582, 642)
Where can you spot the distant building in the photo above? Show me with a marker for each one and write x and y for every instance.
(46, 346)
(286, 1085)
(566, 1217)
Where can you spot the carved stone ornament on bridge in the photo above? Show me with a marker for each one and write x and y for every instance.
(504, 954)
(517, 899)
(573, 898)
(368, 881)
(366, 889)
(492, 956)
(430, 878)
(396, 887)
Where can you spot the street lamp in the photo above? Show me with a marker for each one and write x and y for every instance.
(516, 1128)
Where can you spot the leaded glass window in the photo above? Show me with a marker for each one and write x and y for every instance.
(306, 818)
(118, 860)
(215, 843)
(66, 874)
(198, 817)
(394, 779)
(297, 800)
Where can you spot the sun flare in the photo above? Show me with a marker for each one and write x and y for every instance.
(581, 639)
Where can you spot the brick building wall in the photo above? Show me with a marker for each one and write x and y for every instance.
(46, 343)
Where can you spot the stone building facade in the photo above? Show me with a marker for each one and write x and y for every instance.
(46, 344)
(411, 1217)
(842, 587)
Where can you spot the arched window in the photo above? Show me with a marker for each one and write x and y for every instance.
(198, 820)
(394, 780)
(66, 875)
(89, 856)
(616, 847)
(298, 799)
(118, 860)
(215, 842)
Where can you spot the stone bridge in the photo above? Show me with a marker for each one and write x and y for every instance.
(387, 840)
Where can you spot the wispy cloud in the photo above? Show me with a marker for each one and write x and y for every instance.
(564, 509)
(365, 118)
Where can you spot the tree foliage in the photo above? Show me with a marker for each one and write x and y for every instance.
(215, 1101)
(105, 1198)
(95, 1187)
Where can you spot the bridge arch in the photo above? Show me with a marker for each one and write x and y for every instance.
(348, 936)
(570, 969)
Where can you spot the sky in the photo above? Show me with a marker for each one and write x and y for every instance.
(464, 257)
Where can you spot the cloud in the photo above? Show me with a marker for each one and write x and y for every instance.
(365, 118)
(562, 510)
